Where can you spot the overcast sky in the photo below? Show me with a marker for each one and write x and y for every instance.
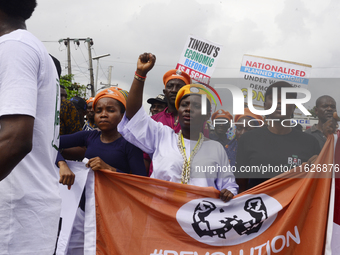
(303, 31)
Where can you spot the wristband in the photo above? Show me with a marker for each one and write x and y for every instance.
(140, 76)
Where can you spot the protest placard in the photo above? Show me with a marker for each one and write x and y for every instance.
(260, 72)
(199, 59)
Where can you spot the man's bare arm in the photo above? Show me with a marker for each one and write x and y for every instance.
(16, 134)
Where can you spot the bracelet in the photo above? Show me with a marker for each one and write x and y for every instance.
(140, 76)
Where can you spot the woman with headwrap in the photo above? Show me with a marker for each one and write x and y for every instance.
(105, 149)
(183, 157)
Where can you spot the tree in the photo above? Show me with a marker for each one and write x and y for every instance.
(312, 111)
(72, 88)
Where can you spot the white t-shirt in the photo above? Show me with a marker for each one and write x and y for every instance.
(29, 196)
(210, 166)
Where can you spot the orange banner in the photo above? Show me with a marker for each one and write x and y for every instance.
(285, 215)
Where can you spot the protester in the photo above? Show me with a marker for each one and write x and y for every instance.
(275, 147)
(89, 124)
(331, 126)
(221, 121)
(158, 104)
(29, 94)
(105, 149)
(173, 81)
(170, 150)
(325, 106)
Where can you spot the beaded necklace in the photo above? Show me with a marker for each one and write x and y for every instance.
(187, 162)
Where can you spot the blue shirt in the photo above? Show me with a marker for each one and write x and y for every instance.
(120, 154)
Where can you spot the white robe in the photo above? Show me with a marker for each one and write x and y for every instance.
(160, 142)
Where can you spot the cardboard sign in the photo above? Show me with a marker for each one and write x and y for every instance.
(199, 59)
(259, 73)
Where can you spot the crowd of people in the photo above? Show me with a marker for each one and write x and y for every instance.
(176, 143)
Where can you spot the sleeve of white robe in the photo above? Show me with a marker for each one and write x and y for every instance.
(142, 131)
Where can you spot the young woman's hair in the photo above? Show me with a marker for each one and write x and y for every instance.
(18, 8)
(122, 107)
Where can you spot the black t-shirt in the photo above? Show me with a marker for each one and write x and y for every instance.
(264, 150)
(222, 140)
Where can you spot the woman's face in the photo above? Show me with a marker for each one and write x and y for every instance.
(107, 114)
(189, 113)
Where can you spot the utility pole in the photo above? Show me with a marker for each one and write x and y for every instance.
(67, 43)
(89, 44)
(97, 58)
(109, 78)
(108, 85)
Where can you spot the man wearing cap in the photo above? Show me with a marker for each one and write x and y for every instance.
(173, 81)
(158, 104)
(221, 122)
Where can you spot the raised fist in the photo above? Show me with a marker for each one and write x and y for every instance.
(145, 63)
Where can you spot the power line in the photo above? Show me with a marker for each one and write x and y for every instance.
(83, 54)
(102, 70)
(80, 68)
